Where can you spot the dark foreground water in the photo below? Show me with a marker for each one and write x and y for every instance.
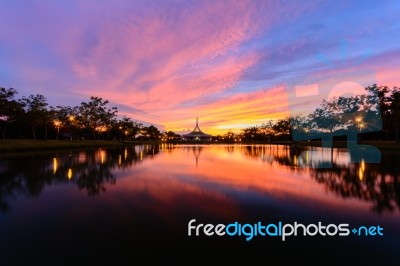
(130, 204)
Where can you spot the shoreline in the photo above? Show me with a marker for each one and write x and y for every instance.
(43, 145)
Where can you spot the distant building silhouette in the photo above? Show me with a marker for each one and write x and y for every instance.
(197, 134)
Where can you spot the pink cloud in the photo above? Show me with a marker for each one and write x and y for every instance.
(233, 113)
(141, 62)
(170, 61)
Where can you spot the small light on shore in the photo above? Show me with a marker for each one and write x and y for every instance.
(69, 174)
(55, 164)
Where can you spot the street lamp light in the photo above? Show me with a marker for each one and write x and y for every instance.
(101, 128)
(57, 123)
(360, 125)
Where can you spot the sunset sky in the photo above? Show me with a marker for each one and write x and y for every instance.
(230, 63)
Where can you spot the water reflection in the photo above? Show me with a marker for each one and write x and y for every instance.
(145, 195)
(90, 170)
(231, 165)
(375, 183)
(196, 152)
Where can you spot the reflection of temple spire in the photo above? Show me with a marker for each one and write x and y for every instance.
(196, 152)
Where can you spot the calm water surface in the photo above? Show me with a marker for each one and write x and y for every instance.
(128, 203)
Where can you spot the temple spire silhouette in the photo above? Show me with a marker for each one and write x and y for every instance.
(197, 128)
(196, 133)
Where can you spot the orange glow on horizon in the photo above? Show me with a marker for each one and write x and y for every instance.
(235, 113)
(165, 65)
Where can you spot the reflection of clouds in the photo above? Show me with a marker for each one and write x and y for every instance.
(375, 183)
(240, 170)
(222, 173)
(279, 170)
(165, 195)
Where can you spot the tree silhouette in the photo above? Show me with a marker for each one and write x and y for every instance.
(127, 128)
(151, 133)
(394, 111)
(36, 112)
(9, 108)
(96, 116)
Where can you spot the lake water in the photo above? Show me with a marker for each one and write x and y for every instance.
(122, 204)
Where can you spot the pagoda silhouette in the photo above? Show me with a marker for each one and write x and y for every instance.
(197, 134)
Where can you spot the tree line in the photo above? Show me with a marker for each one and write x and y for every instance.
(32, 117)
(375, 115)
